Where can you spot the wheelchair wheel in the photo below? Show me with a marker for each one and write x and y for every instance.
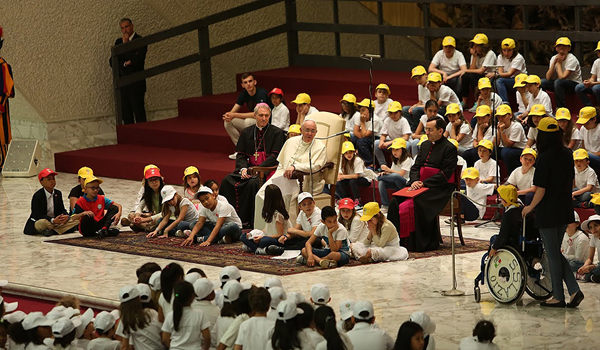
(539, 283)
(477, 294)
(506, 275)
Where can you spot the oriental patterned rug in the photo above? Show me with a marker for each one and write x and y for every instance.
(230, 254)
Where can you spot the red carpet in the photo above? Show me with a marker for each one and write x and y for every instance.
(197, 137)
(28, 304)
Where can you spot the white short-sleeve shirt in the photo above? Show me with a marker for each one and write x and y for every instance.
(591, 138)
(570, 63)
(280, 117)
(381, 110)
(341, 234)
(518, 63)
(486, 169)
(189, 336)
(465, 128)
(486, 136)
(520, 103)
(449, 65)
(515, 133)
(255, 333)
(471, 343)
(445, 96)
(596, 69)
(222, 210)
(541, 99)
(350, 121)
(395, 129)
(191, 215)
(405, 165)
(586, 177)
(424, 118)
(369, 124)
(479, 194)
(423, 93)
(358, 168)
(147, 338)
(488, 60)
(271, 227)
(365, 336)
(521, 181)
(308, 223)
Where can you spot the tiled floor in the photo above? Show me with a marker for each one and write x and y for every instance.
(396, 289)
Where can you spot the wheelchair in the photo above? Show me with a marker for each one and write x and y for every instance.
(515, 270)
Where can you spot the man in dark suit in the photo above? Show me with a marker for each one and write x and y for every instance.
(48, 214)
(132, 96)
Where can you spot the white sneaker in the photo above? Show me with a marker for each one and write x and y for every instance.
(187, 233)
(260, 251)
(233, 156)
(179, 233)
(384, 210)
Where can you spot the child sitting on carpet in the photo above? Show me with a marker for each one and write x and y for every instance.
(575, 244)
(256, 332)
(335, 236)
(357, 230)
(217, 222)
(138, 326)
(184, 210)
(78, 190)
(147, 211)
(105, 325)
(214, 186)
(191, 184)
(89, 209)
(278, 222)
(306, 223)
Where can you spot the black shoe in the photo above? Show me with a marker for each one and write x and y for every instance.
(576, 300)
(275, 250)
(559, 304)
(113, 232)
(101, 233)
(49, 232)
(595, 278)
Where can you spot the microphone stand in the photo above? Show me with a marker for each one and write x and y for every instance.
(371, 109)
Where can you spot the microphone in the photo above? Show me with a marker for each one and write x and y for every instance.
(369, 55)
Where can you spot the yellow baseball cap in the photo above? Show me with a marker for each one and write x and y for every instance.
(509, 194)
(398, 143)
(423, 139)
(595, 198)
(533, 79)
(508, 43)
(520, 80)
(563, 41)
(484, 83)
(598, 47)
(548, 124)
(454, 142)
(383, 87)
(347, 146)
(302, 98)
(418, 70)
(480, 39)
(85, 172)
(563, 114)
(580, 154)
(453, 108)
(483, 110)
(395, 106)
(369, 210)
(365, 103)
(349, 98)
(487, 144)
(529, 151)
(92, 179)
(470, 173)
(189, 171)
(449, 41)
(434, 77)
(503, 109)
(150, 166)
(294, 128)
(585, 114)
(538, 110)
(346, 134)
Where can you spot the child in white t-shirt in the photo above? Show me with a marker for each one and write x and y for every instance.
(205, 294)
(256, 332)
(307, 222)
(351, 174)
(486, 165)
(590, 135)
(218, 222)
(522, 94)
(483, 335)
(280, 114)
(510, 138)
(450, 63)
(591, 85)
(139, 326)
(478, 192)
(564, 71)
(486, 96)
(191, 184)
(511, 63)
(105, 325)
(349, 112)
(395, 177)
(395, 126)
(575, 244)
(522, 177)
(481, 131)
(414, 112)
(538, 97)
(431, 111)
(182, 208)
(458, 128)
(590, 271)
(357, 230)
(571, 135)
(586, 180)
(382, 101)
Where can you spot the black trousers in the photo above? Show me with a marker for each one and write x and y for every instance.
(88, 226)
(469, 83)
(132, 105)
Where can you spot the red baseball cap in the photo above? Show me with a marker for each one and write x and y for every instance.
(45, 172)
(277, 91)
(346, 203)
(152, 172)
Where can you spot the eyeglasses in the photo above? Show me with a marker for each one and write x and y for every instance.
(94, 188)
(312, 131)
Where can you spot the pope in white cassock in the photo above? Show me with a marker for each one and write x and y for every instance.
(295, 156)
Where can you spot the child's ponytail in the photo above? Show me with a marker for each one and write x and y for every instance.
(184, 293)
(325, 322)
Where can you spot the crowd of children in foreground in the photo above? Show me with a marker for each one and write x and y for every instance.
(170, 309)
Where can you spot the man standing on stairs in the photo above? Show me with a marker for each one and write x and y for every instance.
(236, 121)
(132, 96)
(259, 145)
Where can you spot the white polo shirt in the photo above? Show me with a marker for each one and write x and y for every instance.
(366, 336)
(518, 63)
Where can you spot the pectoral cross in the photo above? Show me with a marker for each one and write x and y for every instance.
(255, 156)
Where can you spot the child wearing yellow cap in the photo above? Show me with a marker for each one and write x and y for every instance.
(382, 101)
(486, 165)
(440, 93)
(414, 112)
(481, 131)
(536, 114)
(590, 134)
(564, 72)
(393, 127)
(481, 56)
(303, 107)
(575, 245)
(586, 180)
(431, 111)
(511, 224)
(294, 130)
(478, 192)
(510, 138)
(537, 97)
(458, 128)
(486, 96)
(571, 135)
(591, 85)
(351, 175)
(364, 129)
(450, 63)
(349, 111)
(191, 184)
(394, 178)
(522, 177)
(89, 210)
(78, 191)
(522, 95)
(511, 63)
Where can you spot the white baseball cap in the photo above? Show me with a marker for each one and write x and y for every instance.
(145, 292)
(104, 321)
(297, 297)
(36, 319)
(277, 296)
(346, 309)
(319, 293)
(154, 281)
(424, 321)
(64, 326)
(203, 287)
(230, 273)
(232, 290)
(273, 282)
(15, 317)
(362, 307)
(302, 196)
(201, 190)
(128, 293)
(85, 319)
(585, 224)
(192, 277)
(287, 309)
(9, 307)
(167, 193)
(577, 219)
